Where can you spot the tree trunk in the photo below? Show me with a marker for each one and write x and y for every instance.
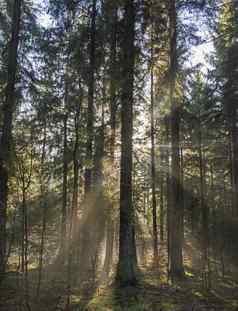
(176, 264)
(234, 139)
(65, 184)
(113, 81)
(113, 110)
(6, 138)
(182, 188)
(126, 269)
(231, 173)
(25, 178)
(76, 171)
(25, 241)
(91, 90)
(72, 248)
(109, 246)
(204, 210)
(153, 171)
(161, 195)
(44, 214)
(168, 191)
(70, 17)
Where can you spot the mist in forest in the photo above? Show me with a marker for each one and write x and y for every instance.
(118, 155)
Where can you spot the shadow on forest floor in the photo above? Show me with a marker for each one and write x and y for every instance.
(149, 297)
(153, 292)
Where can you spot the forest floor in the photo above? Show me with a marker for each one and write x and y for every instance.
(153, 292)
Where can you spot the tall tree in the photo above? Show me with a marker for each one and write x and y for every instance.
(227, 48)
(176, 256)
(153, 168)
(65, 175)
(6, 135)
(113, 88)
(91, 90)
(126, 274)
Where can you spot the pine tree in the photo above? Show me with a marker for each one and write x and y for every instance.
(6, 133)
(126, 270)
(176, 256)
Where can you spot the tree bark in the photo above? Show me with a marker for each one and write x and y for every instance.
(65, 184)
(109, 245)
(72, 249)
(176, 264)
(168, 190)
(234, 139)
(113, 111)
(6, 137)
(161, 196)
(25, 178)
(182, 190)
(126, 265)
(44, 210)
(113, 80)
(204, 210)
(91, 90)
(153, 171)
